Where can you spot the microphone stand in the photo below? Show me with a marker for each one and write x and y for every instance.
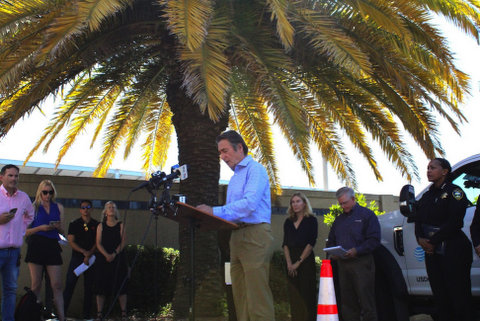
(159, 207)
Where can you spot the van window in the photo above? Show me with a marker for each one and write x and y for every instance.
(468, 178)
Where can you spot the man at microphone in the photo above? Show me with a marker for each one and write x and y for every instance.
(248, 205)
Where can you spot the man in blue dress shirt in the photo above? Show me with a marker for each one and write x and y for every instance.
(248, 205)
(357, 230)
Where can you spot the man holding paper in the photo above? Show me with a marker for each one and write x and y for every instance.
(356, 230)
(81, 237)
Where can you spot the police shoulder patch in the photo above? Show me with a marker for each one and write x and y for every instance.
(457, 194)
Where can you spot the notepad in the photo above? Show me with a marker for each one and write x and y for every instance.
(335, 250)
(83, 267)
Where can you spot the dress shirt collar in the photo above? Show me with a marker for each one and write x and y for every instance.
(244, 162)
(5, 192)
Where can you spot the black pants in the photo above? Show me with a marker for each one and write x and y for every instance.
(302, 288)
(449, 277)
(357, 288)
(88, 282)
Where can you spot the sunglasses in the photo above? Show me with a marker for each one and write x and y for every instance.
(85, 207)
(47, 192)
(85, 226)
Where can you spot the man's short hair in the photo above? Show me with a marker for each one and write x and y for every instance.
(234, 139)
(8, 166)
(345, 191)
(89, 202)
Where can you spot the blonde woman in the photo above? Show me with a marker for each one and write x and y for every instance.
(43, 248)
(111, 262)
(300, 234)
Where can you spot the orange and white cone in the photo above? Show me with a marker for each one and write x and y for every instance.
(327, 304)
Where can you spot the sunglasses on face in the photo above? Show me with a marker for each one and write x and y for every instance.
(85, 207)
(47, 192)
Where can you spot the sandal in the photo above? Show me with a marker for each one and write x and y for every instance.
(124, 316)
(99, 316)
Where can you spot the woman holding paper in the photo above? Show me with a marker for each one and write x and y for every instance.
(300, 234)
(448, 251)
(111, 262)
(43, 249)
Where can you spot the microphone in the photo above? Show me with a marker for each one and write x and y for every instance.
(181, 171)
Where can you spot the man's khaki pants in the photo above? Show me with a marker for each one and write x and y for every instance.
(250, 254)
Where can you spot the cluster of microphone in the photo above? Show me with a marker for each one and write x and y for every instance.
(158, 178)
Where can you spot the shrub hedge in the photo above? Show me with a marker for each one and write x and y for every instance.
(148, 277)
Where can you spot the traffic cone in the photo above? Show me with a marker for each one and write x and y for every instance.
(327, 304)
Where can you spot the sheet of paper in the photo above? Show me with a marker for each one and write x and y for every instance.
(83, 267)
(228, 278)
(335, 250)
(63, 240)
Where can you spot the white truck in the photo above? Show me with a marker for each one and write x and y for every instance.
(402, 282)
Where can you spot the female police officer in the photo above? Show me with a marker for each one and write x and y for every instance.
(448, 251)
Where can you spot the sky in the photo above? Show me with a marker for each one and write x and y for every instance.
(19, 141)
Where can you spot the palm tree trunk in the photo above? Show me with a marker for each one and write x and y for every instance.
(196, 135)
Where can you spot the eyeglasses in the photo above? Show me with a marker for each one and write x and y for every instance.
(85, 207)
(47, 192)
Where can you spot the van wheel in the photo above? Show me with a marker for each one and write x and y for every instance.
(390, 288)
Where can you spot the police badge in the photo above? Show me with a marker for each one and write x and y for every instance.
(457, 194)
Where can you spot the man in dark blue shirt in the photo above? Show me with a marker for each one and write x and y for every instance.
(357, 230)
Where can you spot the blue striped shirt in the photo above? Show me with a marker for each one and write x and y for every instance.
(248, 195)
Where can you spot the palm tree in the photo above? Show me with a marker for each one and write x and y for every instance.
(320, 70)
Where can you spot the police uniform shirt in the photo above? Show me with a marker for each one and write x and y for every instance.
(442, 207)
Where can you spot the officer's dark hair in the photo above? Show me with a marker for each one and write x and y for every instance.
(444, 163)
(234, 139)
(8, 166)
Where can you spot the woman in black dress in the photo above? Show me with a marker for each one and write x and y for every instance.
(111, 261)
(448, 251)
(300, 234)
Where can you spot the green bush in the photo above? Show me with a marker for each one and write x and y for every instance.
(278, 285)
(144, 281)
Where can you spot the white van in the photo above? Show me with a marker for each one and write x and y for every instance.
(406, 281)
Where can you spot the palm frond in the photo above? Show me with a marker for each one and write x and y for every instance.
(250, 117)
(159, 131)
(460, 13)
(189, 20)
(382, 15)
(207, 70)
(93, 13)
(327, 38)
(93, 108)
(115, 134)
(285, 30)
